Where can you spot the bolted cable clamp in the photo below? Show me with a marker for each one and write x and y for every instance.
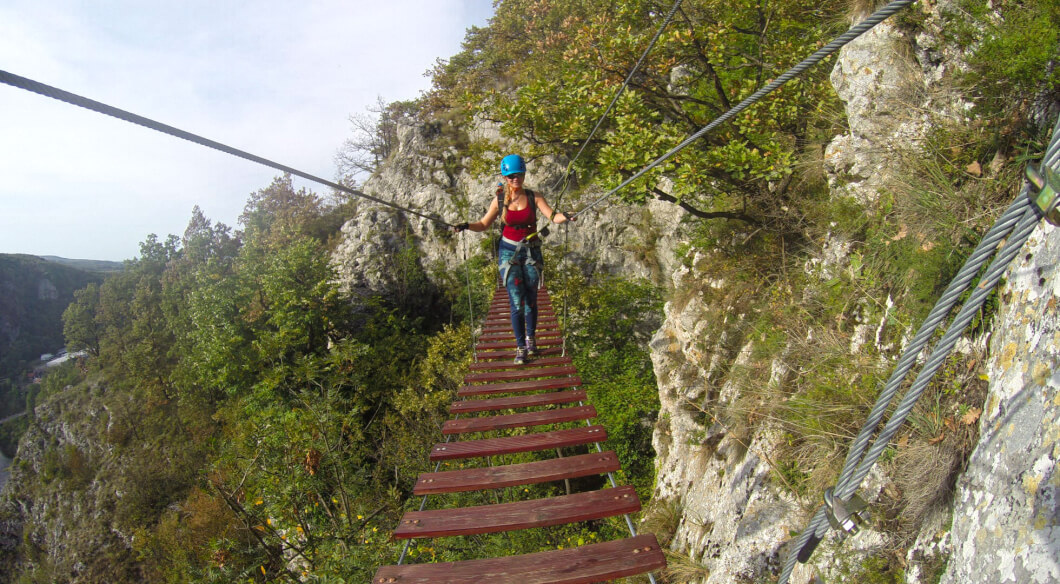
(1046, 183)
(845, 515)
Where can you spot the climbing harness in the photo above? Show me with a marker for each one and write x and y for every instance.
(1013, 228)
(532, 257)
(99, 107)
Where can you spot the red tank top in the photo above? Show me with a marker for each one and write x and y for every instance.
(519, 224)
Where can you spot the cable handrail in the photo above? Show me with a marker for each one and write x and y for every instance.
(102, 108)
(1010, 232)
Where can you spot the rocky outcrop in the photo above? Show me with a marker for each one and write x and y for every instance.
(734, 520)
(609, 239)
(1006, 520)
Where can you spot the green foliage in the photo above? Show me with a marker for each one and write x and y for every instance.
(546, 71)
(36, 292)
(611, 321)
(1015, 59)
(257, 414)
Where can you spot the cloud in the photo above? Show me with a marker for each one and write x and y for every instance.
(278, 79)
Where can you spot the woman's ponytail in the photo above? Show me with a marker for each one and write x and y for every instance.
(507, 201)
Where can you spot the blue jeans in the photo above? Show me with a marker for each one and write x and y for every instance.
(521, 281)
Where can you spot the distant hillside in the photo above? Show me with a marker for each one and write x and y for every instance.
(33, 295)
(87, 265)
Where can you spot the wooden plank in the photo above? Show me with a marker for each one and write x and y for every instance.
(503, 303)
(511, 344)
(507, 329)
(519, 386)
(519, 401)
(507, 334)
(506, 319)
(507, 355)
(518, 515)
(505, 365)
(585, 564)
(512, 444)
(520, 420)
(510, 475)
(527, 371)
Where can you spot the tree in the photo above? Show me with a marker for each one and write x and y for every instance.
(546, 71)
(79, 321)
(375, 137)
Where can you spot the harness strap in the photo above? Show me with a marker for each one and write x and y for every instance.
(516, 260)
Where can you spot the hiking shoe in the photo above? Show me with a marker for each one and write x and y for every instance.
(520, 356)
(531, 348)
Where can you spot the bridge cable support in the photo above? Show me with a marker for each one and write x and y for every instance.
(102, 108)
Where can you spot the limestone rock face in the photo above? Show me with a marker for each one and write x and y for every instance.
(1006, 520)
(731, 518)
(610, 238)
(734, 523)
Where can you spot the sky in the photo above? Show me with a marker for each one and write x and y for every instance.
(278, 79)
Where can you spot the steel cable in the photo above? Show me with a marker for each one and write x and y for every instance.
(1018, 222)
(99, 107)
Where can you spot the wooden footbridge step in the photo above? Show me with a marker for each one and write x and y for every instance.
(544, 392)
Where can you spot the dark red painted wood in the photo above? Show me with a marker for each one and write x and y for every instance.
(512, 444)
(510, 475)
(518, 515)
(519, 386)
(528, 371)
(504, 335)
(507, 330)
(505, 320)
(504, 305)
(508, 354)
(597, 562)
(520, 420)
(519, 401)
(510, 343)
(505, 365)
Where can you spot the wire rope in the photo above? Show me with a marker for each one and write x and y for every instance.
(822, 53)
(1016, 223)
(102, 108)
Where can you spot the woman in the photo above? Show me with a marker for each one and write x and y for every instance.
(519, 261)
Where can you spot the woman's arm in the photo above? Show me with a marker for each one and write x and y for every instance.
(543, 206)
(487, 219)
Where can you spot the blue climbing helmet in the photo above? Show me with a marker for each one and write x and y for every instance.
(512, 164)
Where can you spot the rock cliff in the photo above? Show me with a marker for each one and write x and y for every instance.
(733, 515)
(734, 519)
(635, 242)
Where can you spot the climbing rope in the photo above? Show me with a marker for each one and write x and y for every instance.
(570, 166)
(99, 107)
(1017, 223)
(826, 51)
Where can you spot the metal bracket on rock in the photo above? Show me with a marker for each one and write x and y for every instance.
(845, 515)
(1046, 183)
